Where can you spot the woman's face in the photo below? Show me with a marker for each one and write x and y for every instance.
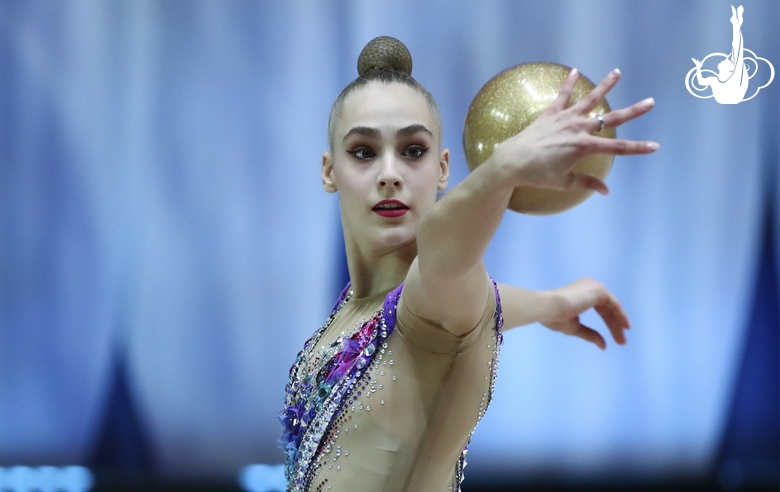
(386, 164)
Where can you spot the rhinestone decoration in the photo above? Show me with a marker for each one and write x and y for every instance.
(318, 392)
(498, 324)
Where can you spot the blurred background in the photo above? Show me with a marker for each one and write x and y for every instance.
(166, 246)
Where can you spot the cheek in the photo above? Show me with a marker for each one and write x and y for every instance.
(351, 182)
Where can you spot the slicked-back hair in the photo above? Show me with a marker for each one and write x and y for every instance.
(385, 77)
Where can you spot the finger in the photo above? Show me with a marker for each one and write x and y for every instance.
(562, 101)
(618, 334)
(611, 310)
(617, 330)
(614, 146)
(615, 319)
(616, 118)
(590, 335)
(614, 316)
(596, 123)
(591, 100)
(582, 181)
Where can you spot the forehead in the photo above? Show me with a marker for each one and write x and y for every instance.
(386, 107)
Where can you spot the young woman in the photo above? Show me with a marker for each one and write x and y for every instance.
(385, 396)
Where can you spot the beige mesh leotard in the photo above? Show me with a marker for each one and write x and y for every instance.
(390, 413)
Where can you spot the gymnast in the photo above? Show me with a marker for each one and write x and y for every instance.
(386, 394)
(731, 84)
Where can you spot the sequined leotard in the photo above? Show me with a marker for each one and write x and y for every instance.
(381, 400)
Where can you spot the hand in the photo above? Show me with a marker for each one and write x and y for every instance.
(696, 62)
(578, 297)
(544, 154)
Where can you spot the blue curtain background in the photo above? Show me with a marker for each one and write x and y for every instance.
(163, 226)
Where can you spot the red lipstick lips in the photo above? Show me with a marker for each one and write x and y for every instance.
(390, 208)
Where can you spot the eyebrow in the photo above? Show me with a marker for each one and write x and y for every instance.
(374, 133)
(362, 130)
(412, 129)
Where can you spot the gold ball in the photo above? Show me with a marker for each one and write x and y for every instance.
(511, 101)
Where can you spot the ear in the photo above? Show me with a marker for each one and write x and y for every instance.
(328, 180)
(444, 168)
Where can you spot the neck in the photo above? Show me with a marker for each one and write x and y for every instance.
(374, 272)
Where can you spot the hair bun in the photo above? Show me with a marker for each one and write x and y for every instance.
(385, 53)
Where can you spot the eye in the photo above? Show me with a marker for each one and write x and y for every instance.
(362, 153)
(415, 151)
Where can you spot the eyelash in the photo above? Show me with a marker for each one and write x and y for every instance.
(423, 151)
(356, 152)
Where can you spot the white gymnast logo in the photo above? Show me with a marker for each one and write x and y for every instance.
(730, 84)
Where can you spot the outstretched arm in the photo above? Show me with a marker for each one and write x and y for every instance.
(447, 283)
(559, 309)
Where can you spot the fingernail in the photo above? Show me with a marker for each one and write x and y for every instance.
(573, 72)
(649, 102)
(653, 146)
(615, 73)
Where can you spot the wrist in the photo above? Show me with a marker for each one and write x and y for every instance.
(550, 304)
(505, 172)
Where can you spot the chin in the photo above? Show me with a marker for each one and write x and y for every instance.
(397, 237)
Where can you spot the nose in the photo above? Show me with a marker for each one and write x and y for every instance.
(389, 173)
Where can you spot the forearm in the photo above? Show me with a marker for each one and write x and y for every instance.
(522, 307)
(453, 236)
(447, 283)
